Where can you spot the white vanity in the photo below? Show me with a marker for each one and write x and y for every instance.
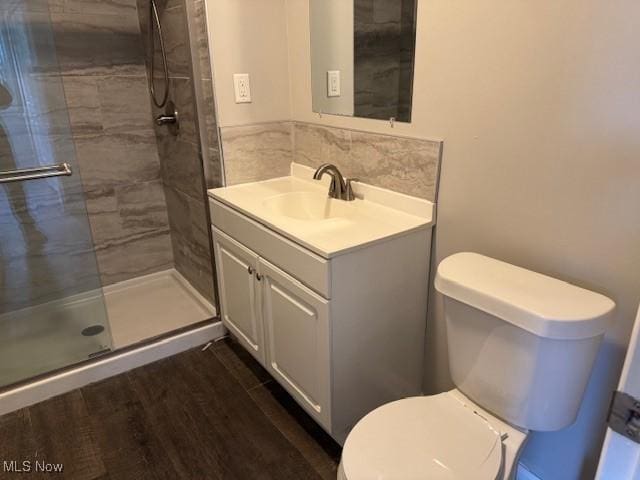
(329, 295)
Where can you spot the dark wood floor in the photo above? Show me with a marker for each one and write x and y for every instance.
(213, 414)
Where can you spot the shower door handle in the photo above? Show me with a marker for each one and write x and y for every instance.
(25, 174)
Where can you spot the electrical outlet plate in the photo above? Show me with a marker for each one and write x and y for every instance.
(333, 83)
(242, 87)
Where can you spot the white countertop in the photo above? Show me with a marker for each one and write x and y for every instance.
(376, 215)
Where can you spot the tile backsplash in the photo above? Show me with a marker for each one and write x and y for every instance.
(259, 152)
(406, 165)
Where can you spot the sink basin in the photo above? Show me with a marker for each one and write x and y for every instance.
(310, 206)
(299, 209)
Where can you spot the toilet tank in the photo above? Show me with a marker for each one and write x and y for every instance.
(521, 344)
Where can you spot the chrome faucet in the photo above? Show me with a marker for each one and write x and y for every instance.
(339, 188)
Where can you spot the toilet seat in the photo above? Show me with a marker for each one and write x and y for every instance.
(438, 437)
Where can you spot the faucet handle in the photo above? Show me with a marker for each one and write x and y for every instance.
(348, 192)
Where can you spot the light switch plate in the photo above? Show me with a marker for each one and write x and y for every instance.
(333, 83)
(242, 87)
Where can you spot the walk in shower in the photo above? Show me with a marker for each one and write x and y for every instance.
(104, 237)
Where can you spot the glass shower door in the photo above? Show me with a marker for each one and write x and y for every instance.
(52, 309)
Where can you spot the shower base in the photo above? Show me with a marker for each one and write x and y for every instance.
(145, 307)
(57, 334)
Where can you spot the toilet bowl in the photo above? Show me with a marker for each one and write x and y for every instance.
(438, 437)
(521, 348)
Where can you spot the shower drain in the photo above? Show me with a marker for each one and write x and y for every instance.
(92, 330)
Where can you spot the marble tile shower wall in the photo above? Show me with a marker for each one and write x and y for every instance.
(383, 51)
(204, 88)
(260, 152)
(101, 62)
(180, 155)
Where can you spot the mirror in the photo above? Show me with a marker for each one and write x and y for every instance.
(362, 57)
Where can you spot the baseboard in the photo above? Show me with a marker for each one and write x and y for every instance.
(73, 378)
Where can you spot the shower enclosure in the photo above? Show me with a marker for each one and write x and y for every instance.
(50, 290)
(104, 240)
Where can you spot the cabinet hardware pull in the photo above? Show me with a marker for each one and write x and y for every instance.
(259, 277)
(250, 270)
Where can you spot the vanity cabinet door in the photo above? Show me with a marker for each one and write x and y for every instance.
(296, 322)
(236, 269)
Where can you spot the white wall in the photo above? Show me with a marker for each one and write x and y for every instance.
(250, 36)
(538, 104)
(331, 27)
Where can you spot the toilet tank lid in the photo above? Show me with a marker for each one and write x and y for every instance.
(543, 305)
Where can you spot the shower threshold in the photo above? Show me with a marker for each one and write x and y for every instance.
(151, 317)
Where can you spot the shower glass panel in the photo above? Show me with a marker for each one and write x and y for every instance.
(52, 310)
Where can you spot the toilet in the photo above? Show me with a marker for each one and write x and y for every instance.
(521, 349)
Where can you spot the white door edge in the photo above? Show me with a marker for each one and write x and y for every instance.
(620, 459)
